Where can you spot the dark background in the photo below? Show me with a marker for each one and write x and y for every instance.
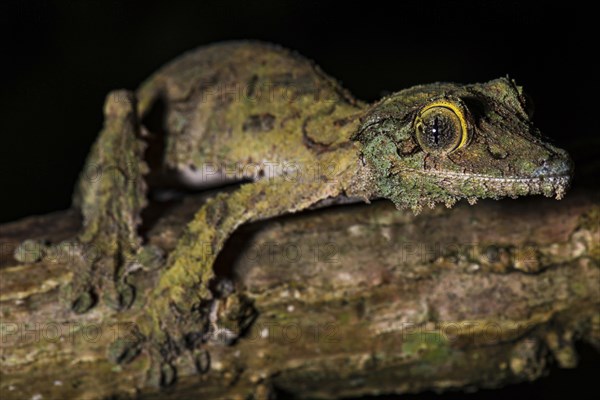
(60, 60)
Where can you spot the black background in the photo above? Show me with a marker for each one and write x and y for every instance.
(60, 60)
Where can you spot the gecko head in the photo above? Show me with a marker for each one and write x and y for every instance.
(443, 142)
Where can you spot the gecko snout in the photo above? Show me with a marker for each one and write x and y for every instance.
(556, 165)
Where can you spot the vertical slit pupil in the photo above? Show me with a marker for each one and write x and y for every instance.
(436, 130)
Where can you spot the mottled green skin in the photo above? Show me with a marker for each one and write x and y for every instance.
(244, 102)
(249, 103)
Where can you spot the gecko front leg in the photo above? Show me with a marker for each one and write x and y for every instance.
(180, 306)
(111, 194)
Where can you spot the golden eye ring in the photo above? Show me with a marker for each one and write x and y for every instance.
(441, 126)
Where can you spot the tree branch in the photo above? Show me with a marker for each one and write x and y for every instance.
(344, 301)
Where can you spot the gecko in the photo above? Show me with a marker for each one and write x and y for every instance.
(292, 138)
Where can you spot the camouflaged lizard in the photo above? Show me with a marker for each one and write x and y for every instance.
(268, 118)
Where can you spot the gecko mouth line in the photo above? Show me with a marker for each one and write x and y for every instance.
(548, 185)
(508, 179)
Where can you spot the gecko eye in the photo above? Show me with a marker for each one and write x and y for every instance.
(441, 127)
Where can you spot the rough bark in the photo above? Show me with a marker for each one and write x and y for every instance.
(347, 301)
